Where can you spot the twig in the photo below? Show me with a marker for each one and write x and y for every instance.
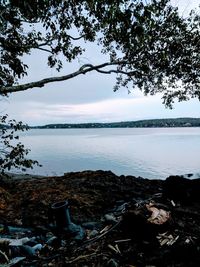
(83, 257)
(44, 49)
(113, 248)
(117, 248)
(103, 234)
(98, 237)
(106, 228)
(5, 256)
(123, 240)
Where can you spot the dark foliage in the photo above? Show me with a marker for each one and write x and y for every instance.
(149, 44)
(13, 153)
(179, 122)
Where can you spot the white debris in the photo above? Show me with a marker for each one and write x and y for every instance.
(158, 216)
(167, 239)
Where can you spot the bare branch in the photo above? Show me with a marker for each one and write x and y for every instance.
(76, 38)
(48, 42)
(29, 21)
(115, 71)
(44, 49)
(83, 70)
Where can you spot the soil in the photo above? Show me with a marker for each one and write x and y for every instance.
(126, 206)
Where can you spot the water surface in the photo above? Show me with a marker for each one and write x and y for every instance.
(146, 152)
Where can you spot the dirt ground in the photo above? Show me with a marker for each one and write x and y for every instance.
(127, 221)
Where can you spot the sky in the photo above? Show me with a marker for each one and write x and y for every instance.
(88, 98)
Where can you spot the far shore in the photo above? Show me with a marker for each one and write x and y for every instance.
(28, 176)
(150, 123)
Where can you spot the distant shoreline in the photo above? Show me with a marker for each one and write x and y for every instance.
(153, 123)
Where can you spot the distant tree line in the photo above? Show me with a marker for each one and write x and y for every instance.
(178, 122)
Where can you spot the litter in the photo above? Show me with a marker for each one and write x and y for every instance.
(167, 239)
(158, 216)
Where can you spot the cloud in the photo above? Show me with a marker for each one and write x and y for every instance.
(102, 111)
(134, 107)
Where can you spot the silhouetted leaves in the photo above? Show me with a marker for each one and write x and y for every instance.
(13, 154)
(152, 47)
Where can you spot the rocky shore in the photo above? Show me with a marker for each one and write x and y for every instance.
(126, 221)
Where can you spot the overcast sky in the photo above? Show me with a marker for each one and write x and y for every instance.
(88, 98)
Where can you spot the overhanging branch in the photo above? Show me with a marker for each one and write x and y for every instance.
(115, 71)
(48, 43)
(44, 49)
(83, 70)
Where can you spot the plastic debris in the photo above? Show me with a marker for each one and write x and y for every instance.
(158, 216)
(189, 240)
(14, 242)
(110, 218)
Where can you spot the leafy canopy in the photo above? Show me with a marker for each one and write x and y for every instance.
(13, 153)
(150, 46)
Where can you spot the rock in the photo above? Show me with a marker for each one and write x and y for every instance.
(112, 263)
(181, 189)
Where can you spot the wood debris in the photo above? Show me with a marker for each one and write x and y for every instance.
(167, 239)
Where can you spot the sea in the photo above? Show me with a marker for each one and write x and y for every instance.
(153, 153)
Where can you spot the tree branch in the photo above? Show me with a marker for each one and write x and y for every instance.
(48, 43)
(76, 38)
(115, 71)
(83, 70)
(44, 49)
(29, 21)
(55, 37)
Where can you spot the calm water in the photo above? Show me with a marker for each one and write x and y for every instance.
(150, 153)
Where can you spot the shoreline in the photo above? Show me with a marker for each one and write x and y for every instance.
(103, 187)
(95, 198)
(80, 187)
(22, 176)
(28, 176)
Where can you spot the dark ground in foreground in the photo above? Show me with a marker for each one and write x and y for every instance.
(128, 221)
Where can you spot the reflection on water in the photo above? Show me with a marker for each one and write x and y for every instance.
(151, 153)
